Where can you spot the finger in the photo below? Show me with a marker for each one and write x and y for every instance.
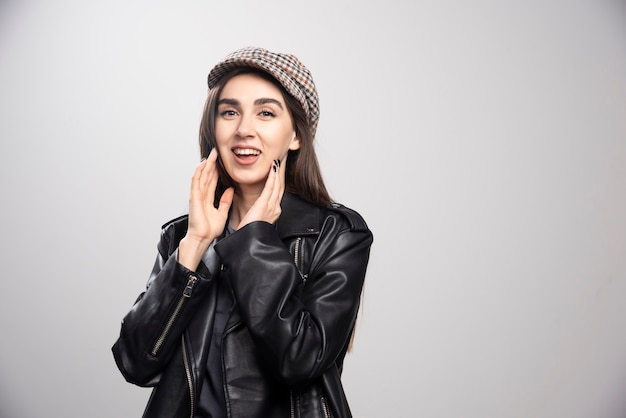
(195, 179)
(278, 186)
(225, 201)
(283, 173)
(263, 205)
(208, 180)
(213, 175)
(270, 200)
(196, 205)
(275, 183)
(271, 184)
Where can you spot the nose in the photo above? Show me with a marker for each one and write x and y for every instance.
(245, 127)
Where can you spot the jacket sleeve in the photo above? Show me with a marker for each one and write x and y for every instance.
(299, 337)
(151, 330)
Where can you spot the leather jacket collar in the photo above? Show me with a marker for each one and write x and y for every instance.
(298, 217)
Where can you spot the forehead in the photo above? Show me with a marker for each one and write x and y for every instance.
(250, 86)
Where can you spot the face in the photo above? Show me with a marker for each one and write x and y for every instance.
(253, 127)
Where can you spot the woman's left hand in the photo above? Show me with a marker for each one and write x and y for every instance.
(267, 206)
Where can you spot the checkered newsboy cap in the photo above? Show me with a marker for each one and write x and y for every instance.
(285, 68)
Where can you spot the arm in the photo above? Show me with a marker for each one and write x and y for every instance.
(298, 337)
(154, 325)
(152, 329)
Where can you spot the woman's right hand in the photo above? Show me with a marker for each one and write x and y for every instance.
(205, 221)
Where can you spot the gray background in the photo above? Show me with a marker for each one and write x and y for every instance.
(484, 142)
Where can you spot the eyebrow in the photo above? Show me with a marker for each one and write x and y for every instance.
(257, 102)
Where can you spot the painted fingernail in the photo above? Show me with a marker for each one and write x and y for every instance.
(274, 167)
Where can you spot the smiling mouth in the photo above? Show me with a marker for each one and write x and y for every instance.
(246, 152)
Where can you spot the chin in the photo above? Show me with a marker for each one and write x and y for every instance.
(248, 181)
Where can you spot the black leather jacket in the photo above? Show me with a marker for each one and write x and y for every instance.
(297, 285)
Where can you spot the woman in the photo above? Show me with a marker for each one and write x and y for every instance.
(253, 298)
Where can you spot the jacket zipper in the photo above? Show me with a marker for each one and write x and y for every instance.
(324, 402)
(170, 322)
(325, 409)
(188, 374)
(296, 258)
(296, 251)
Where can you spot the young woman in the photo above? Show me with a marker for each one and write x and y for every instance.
(253, 298)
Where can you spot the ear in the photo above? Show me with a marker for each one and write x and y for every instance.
(295, 143)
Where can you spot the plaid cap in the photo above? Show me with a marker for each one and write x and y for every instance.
(285, 68)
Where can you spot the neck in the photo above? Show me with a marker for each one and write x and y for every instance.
(242, 202)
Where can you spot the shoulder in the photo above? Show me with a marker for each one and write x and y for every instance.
(174, 230)
(177, 223)
(300, 217)
(352, 217)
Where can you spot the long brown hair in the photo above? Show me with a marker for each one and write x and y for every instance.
(303, 176)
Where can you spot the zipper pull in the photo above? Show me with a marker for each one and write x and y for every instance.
(192, 281)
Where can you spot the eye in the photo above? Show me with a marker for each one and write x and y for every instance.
(266, 113)
(228, 113)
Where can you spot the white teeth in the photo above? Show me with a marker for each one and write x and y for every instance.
(247, 151)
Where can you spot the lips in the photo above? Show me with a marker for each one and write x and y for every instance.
(244, 152)
(246, 155)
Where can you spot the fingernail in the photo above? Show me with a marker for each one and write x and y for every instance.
(274, 167)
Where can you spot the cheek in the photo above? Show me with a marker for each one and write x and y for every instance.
(221, 134)
(283, 137)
